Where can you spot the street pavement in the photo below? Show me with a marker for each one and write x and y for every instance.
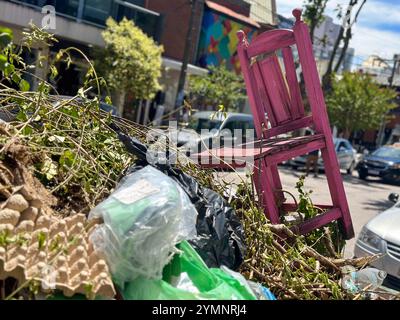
(366, 198)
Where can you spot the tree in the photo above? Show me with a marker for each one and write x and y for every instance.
(356, 102)
(130, 62)
(219, 87)
(314, 14)
(343, 40)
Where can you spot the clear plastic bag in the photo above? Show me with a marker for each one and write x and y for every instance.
(144, 219)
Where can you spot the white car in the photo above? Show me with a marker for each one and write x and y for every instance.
(381, 235)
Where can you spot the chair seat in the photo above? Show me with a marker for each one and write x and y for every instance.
(239, 156)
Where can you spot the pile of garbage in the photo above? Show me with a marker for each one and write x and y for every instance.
(87, 213)
(113, 223)
(138, 236)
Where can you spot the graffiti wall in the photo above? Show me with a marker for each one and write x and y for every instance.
(218, 40)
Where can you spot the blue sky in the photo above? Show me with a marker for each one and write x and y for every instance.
(377, 30)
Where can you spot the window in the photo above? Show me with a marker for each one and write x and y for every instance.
(68, 7)
(343, 146)
(97, 11)
(242, 125)
(349, 146)
(387, 152)
(136, 2)
(232, 125)
(198, 124)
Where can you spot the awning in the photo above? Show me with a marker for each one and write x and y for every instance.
(177, 65)
(224, 10)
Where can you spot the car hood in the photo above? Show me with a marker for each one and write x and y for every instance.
(382, 159)
(387, 225)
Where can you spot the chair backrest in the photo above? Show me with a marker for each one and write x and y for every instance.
(274, 94)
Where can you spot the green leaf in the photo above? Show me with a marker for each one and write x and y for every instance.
(59, 55)
(53, 72)
(41, 239)
(27, 131)
(6, 36)
(8, 69)
(3, 62)
(24, 85)
(71, 111)
(68, 158)
(16, 77)
(108, 100)
(43, 87)
(21, 116)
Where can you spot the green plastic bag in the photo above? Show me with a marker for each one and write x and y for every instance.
(188, 278)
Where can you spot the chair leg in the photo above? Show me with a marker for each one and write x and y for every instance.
(257, 181)
(336, 188)
(277, 184)
(268, 195)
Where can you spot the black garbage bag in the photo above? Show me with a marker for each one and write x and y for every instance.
(220, 238)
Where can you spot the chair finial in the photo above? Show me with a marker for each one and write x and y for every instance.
(241, 36)
(297, 14)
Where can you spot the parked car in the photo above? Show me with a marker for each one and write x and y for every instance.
(213, 127)
(346, 154)
(381, 235)
(383, 162)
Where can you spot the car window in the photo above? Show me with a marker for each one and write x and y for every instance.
(232, 125)
(249, 125)
(240, 125)
(348, 145)
(203, 123)
(341, 145)
(387, 152)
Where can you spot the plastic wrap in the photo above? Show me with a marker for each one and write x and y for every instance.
(144, 219)
(221, 239)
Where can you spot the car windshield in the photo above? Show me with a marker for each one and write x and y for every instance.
(387, 153)
(203, 123)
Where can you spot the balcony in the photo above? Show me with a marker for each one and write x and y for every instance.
(96, 12)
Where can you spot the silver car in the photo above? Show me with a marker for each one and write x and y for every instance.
(346, 154)
(381, 235)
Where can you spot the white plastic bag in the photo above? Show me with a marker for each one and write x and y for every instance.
(146, 216)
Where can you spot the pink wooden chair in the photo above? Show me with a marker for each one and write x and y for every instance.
(277, 106)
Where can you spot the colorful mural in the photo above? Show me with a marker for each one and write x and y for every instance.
(218, 40)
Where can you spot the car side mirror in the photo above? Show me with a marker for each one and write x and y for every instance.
(394, 197)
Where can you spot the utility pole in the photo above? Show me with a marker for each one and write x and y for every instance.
(185, 62)
(381, 132)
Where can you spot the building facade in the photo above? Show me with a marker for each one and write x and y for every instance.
(79, 23)
(76, 23)
(325, 36)
(218, 38)
(263, 11)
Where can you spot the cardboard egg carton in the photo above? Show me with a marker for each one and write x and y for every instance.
(53, 251)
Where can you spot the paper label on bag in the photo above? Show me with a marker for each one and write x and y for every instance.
(141, 189)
